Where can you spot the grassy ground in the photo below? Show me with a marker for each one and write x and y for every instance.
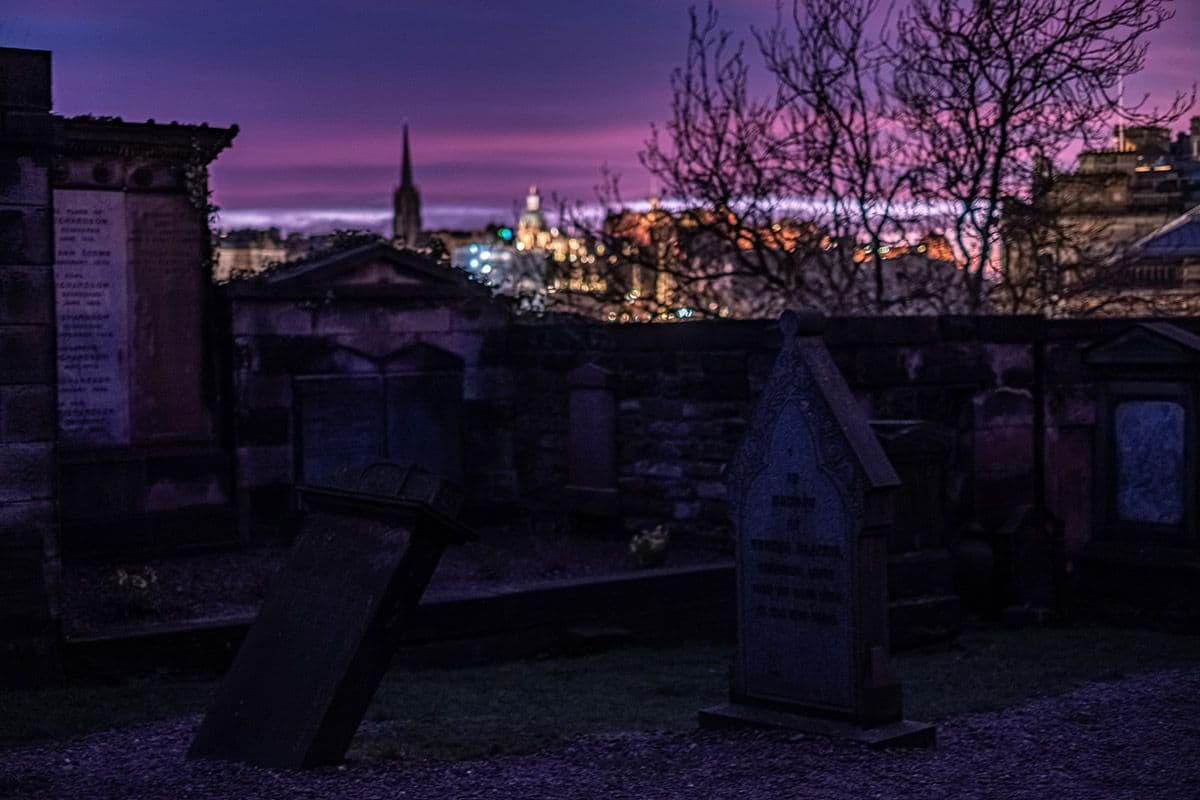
(994, 670)
(518, 706)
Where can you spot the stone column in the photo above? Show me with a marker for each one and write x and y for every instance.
(29, 558)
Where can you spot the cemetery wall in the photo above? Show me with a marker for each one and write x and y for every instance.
(984, 419)
(29, 554)
(683, 392)
(681, 395)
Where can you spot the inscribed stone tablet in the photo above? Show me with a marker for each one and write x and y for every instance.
(341, 427)
(169, 278)
(810, 495)
(423, 425)
(1150, 464)
(92, 306)
(794, 567)
(306, 673)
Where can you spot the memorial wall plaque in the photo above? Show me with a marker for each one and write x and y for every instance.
(169, 278)
(1149, 437)
(341, 423)
(1144, 484)
(592, 439)
(423, 421)
(810, 492)
(92, 307)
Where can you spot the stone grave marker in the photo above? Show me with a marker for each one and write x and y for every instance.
(810, 492)
(311, 663)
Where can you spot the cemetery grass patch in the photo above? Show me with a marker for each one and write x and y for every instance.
(996, 669)
(519, 706)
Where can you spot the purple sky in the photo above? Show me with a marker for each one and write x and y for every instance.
(498, 94)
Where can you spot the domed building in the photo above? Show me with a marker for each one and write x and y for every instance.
(532, 231)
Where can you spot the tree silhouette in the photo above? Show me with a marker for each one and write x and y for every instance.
(893, 155)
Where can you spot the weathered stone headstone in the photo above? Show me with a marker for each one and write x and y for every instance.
(810, 493)
(308, 668)
(592, 441)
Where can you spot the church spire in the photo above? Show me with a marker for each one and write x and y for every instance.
(406, 204)
(406, 162)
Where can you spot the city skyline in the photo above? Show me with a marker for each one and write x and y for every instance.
(496, 97)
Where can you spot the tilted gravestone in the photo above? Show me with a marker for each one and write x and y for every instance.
(311, 663)
(810, 492)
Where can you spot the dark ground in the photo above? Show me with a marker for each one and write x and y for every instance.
(1134, 738)
(231, 585)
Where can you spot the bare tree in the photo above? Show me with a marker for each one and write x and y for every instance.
(992, 88)
(892, 157)
(728, 160)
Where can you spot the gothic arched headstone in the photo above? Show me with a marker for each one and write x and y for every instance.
(810, 496)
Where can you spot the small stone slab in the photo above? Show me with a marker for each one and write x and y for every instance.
(904, 733)
(311, 663)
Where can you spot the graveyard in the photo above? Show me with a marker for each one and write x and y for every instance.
(356, 527)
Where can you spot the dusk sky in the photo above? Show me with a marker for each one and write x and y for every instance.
(497, 95)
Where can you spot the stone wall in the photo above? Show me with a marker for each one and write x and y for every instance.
(29, 557)
(991, 423)
(683, 392)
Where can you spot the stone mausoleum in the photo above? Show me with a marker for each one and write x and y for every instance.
(110, 360)
(144, 410)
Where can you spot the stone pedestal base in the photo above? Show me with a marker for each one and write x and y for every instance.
(904, 733)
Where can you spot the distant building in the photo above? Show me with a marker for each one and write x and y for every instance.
(247, 251)
(490, 263)
(406, 205)
(532, 231)
(452, 240)
(663, 265)
(1127, 222)
(455, 239)
(1144, 181)
(1166, 264)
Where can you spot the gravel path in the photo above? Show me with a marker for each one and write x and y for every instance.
(1136, 738)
